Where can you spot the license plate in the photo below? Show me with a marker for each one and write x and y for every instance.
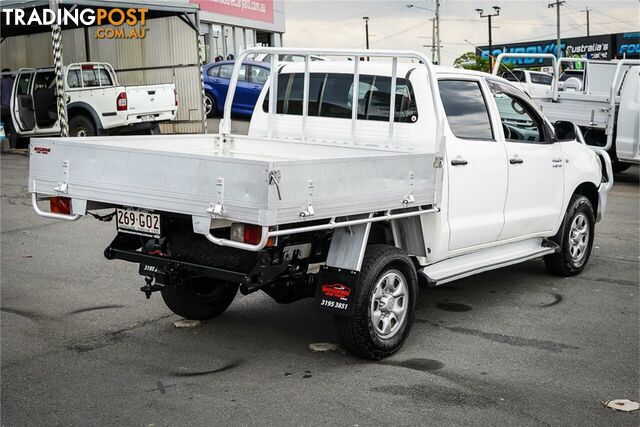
(147, 118)
(138, 222)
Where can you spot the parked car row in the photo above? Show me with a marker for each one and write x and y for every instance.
(253, 75)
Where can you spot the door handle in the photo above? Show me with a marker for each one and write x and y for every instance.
(516, 161)
(459, 162)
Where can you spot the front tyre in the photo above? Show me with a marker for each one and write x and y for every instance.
(384, 304)
(200, 298)
(576, 238)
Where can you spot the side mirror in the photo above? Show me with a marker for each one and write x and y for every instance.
(565, 131)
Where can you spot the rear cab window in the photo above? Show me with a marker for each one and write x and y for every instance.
(89, 76)
(541, 79)
(331, 95)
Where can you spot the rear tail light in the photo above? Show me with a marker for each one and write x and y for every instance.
(60, 205)
(248, 233)
(121, 102)
(175, 95)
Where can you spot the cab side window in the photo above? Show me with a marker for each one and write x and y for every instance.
(466, 109)
(520, 121)
(23, 84)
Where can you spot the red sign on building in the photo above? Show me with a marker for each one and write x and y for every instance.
(261, 10)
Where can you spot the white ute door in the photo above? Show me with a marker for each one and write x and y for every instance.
(536, 166)
(477, 166)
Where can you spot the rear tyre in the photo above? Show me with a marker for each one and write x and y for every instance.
(575, 237)
(385, 299)
(81, 126)
(199, 299)
(210, 106)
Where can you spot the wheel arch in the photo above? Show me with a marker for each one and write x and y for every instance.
(590, 191)
(84, 109)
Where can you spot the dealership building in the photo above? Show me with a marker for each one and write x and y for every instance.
(603, 46)
(177, 34)
(230, 26)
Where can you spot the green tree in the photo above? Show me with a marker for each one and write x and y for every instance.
(472, 61)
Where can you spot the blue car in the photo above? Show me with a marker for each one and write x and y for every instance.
(253, 76)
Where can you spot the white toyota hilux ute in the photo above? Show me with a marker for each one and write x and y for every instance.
(96, 103)
(357, 181)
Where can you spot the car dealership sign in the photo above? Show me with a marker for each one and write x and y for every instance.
(604, 47)
(261, 10)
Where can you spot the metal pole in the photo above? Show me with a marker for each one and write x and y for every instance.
(366, 32)
(490, 46)
(490, 15)
(437, 20)
(558, 46)
(56, 40)
(588, 22)
(587, 10)
(433, 40)
(557, 5)
(203, 96)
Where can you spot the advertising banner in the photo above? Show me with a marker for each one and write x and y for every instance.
(628, 45)
(603, 47)
(260, 10)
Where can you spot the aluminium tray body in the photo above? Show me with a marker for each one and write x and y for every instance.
(186, 174)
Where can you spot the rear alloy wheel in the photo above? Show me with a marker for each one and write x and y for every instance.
(210, 107)
(576, 238)
(388, 308)
(384, 304)
(81, 126)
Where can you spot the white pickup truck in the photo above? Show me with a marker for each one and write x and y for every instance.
(357, 181)
(96, 103)
(536, 84)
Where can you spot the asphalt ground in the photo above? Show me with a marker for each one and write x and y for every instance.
(80, 345)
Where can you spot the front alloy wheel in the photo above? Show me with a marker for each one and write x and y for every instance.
(579, 239)
(575, 238)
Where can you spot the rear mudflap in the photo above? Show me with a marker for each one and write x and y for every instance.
(335, 291)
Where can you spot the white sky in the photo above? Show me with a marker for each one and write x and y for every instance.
(321, 23)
